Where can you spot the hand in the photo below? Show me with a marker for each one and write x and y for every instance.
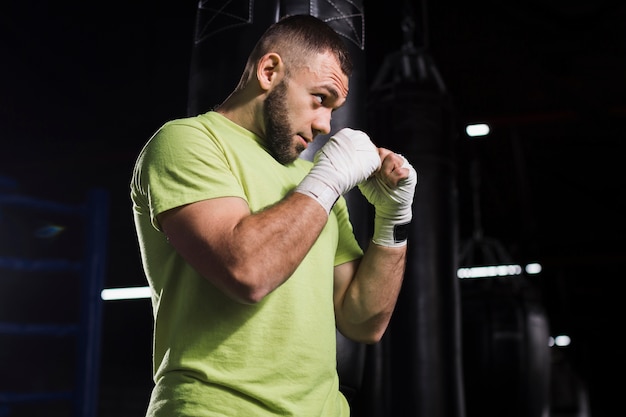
(348, 158)
(391, 193)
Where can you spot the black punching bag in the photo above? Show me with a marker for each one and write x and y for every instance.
(412, 113)
(225, 34)
(507, 362)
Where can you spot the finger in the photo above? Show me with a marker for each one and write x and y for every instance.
(383, 152)
(392, 169)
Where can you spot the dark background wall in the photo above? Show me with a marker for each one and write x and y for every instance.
(84, 84)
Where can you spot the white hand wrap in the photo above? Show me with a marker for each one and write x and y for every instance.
(348, 158)
(393, 207)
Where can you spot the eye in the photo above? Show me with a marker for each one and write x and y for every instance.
(319, 98)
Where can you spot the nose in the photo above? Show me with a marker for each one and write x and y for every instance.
(321, 123)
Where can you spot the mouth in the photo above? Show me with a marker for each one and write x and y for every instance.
(305, 141)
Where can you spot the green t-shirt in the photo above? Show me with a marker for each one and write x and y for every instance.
(214, 356)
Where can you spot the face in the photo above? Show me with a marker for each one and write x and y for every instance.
(299, 108)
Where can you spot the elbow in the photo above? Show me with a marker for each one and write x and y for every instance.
(251, 296)
(244, 279)
(244, 296)
(371, 338)
(366, 338)
(246, 286)
(367, 332)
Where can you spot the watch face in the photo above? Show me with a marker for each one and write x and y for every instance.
(400, 232)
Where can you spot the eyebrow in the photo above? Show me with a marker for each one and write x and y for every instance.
(332, 91)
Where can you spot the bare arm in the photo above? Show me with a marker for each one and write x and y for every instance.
(366, 292)
(248, 255)
(245, 255)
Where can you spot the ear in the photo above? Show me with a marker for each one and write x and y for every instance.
(269, 70)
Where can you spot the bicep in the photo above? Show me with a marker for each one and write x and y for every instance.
(200, 231)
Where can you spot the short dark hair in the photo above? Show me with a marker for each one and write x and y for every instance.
(294, 38)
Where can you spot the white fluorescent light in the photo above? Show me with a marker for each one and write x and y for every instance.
(129, 293)
(479, 129)
(533, 268)
(497, 271)
(489, 271)
(561, 341)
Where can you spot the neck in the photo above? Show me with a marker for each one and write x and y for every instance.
(244, 109)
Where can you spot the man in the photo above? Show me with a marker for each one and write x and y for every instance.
(248, 249)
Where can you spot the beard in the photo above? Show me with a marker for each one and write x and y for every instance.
(278, 133)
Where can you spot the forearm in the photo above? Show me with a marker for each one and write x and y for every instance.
(272, 243)
(366, 302)
(370, 298)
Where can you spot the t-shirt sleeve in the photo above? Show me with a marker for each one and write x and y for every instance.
(182, 164)
(348, 248)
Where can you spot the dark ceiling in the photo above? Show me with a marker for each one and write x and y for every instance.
(84, 84)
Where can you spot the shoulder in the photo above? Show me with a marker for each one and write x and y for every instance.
(185, 134)
(185, 125)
